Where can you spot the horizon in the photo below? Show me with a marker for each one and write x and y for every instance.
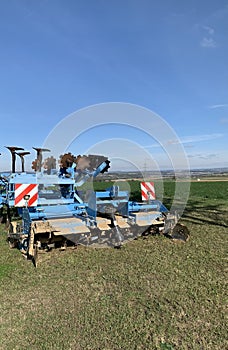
(210, 170)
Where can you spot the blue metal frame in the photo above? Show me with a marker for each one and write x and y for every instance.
(70, 204)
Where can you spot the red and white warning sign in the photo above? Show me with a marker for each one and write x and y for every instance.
(147, 191)
(22, 190)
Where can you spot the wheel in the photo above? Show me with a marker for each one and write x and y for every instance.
(24, 245)
(180, 232)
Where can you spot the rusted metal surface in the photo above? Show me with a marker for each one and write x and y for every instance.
(21, 155)
(13, 150)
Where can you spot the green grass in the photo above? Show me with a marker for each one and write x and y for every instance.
(5, 270)
(152, 294)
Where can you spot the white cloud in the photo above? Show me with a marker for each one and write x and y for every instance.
(218, 106)
(208, 43)
(189, 146)
(203, 156)
(207, 34)
(208, 159)
(224, 120)
(199, 138)
(209, 30)
(188, 139)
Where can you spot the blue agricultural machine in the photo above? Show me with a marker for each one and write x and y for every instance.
(55, 213)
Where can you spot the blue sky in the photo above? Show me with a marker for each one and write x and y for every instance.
(59, 56)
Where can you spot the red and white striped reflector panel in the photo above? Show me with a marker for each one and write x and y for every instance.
(147, 191)
(26, 189)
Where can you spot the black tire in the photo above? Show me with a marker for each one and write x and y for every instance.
(180, 232)
(24, 245)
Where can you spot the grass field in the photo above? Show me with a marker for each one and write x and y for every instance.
(151, 294)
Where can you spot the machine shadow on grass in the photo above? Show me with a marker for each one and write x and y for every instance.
(206, 213)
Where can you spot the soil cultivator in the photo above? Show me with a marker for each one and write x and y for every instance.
(54, 213)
